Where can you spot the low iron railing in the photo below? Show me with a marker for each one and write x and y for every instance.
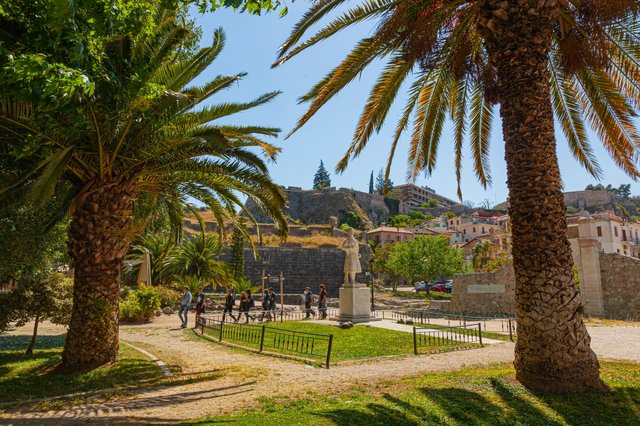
(456, 336)
(312, 347)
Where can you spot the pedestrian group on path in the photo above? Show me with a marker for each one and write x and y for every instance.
(247, 302)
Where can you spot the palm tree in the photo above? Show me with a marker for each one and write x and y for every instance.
(142, 141)
(197, 258)
(579, 59)
(160, 247)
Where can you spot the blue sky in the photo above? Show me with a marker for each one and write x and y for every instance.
(252, 42)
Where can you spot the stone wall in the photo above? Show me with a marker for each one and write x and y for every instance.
(302, 267)
(620, 286)
(484, 293)
(585, 200)
(609, 282)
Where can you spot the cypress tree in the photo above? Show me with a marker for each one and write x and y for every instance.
(371, 183)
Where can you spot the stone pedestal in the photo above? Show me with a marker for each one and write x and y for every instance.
(355, 304)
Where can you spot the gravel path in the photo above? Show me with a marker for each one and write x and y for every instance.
(246, 379)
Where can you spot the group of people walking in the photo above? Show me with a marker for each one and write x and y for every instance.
(322, 302)
(247, 303)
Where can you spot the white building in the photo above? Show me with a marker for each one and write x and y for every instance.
(614, 234)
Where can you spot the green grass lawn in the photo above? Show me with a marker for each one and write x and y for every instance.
(24, 377)
(349, 344)
(485, 396)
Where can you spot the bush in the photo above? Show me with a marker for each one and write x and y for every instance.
(168, 297)
(141, 305)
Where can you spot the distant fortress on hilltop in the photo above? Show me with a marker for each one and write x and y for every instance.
(329, 205)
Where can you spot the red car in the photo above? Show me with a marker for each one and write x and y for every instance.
(439, 287)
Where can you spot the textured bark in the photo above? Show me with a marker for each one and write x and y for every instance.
(34, 336)
(553, 353)
(99, 237)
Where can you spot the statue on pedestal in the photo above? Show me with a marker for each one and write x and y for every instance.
(352, 259)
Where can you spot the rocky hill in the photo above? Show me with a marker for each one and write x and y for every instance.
(328, 205)
(598, 201)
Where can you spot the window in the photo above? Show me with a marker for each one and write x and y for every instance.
(624, 235)
(464, 231)
(615, 232)
(483, 230)
(618, 250)
(599, 229)
(474, 229)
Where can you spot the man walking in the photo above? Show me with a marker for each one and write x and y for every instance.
(185, 303)
(308, 300)
(229, 301)
(272, 302)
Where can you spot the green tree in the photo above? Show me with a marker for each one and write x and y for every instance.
(624, 191)
(577, 59)
(425, 258)
(28, 252)
(482, 254)
(379, 263)
(371, 183)
(383, 184)
(352, 220)
(321, 179)
(430, 204)
(139, 139)
(37, 299)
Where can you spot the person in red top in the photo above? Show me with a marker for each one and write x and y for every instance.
(322, 302)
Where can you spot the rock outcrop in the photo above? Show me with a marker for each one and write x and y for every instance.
(311, 206)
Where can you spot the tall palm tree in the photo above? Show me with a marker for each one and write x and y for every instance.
(141, 141)
(579, 59)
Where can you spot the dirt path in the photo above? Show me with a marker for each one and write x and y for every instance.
(245, 379)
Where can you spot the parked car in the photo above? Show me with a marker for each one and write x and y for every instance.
(422, 286)
(448, 286)
(440, 287)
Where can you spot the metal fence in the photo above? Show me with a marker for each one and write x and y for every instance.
(507, 324)
(446, 337)
(311, 347)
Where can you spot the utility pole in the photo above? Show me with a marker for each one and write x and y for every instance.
(281, 297)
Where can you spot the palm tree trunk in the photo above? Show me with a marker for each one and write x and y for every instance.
(553, 353)
(98, 240)
(32, 345)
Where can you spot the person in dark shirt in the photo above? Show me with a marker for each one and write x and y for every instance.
(308, 301)
(251, 303)
(265, 305)
(229, 301)
(244, 307)
(272, 302)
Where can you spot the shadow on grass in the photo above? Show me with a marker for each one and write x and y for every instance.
(22, 342)
(503, 404)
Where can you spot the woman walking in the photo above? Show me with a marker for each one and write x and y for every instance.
(322, 303)
(244, 307)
